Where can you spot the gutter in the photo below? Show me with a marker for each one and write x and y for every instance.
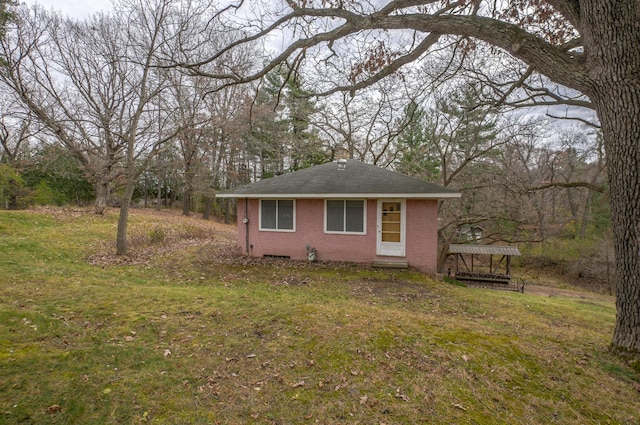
(245, 220)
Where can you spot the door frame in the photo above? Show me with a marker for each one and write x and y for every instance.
(392, 249)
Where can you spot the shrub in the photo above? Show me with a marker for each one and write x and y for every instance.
(44, 194)
(12, 188)
(157, 236)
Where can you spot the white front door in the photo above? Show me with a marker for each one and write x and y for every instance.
(391, 228)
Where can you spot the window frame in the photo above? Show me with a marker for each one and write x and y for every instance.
(277, 229)
(344, 217)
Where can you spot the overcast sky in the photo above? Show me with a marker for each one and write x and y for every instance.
(75, 8)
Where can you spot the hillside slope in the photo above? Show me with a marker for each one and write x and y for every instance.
(186, 331)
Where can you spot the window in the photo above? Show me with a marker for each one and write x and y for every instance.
(342, 216)
(277, 214)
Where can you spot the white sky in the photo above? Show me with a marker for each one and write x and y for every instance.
(75, 8)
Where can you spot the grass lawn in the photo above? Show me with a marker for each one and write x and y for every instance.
(184, 332)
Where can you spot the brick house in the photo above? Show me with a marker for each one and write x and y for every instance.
(342, 211)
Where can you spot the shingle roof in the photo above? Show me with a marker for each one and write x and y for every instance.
(484, 249)
(357, 179)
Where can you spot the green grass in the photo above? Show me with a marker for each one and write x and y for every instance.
(183, 337)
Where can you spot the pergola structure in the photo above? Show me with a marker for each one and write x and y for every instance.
(476, 265)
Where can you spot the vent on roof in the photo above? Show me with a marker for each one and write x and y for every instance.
(342, 164)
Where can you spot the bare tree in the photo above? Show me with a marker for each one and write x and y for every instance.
(17, 126)
(365, 125)
(187, 95)
(206, 114)
(97, 87)
(228, 158)
(70, 76)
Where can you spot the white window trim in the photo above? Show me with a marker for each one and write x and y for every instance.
(260, 228)
(344, 232)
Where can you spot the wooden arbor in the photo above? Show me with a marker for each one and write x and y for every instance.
(475, 265)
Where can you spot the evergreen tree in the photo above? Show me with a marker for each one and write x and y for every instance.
(281, 135)
(417, 154)
(55, 177)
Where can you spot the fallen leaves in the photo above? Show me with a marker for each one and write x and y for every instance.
(160, 233)
(64, 213)
(28, 323)
(402, 396)
(55, 408)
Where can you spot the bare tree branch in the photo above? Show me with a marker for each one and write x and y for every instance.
(595, 187)
(582, 120)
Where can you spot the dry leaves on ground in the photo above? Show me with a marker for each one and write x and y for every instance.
(159, 233)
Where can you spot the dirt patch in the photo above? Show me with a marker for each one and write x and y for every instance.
(550, 291)
(390, 286)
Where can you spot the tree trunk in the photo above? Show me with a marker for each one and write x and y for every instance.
(159, 195)
(123, 221)
(619, 116)
(186, 202)
(441, 261)
(102, 197)
(13, 195)
(584, 220)
(611, 43)
(146, 192)
(208, 203)
(226, 204)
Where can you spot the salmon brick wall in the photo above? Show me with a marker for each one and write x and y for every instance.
(421, 234)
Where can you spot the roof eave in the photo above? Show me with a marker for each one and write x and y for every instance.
(448, 195)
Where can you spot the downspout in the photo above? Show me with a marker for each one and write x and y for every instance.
(246, 225)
